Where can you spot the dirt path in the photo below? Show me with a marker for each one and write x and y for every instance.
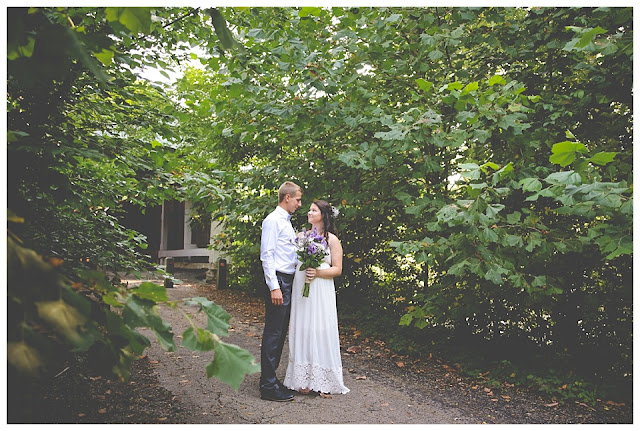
(381, 391)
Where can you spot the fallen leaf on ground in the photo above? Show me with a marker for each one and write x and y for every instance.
(361, 378)
(551, 405)
(102, 411)
(354, 349)
(400, 364)
(162, 419)
(81, 415)
(325, 395)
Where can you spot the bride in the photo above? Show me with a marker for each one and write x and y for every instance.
(314, 346)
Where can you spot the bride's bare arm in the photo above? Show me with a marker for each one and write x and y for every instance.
(336, 261)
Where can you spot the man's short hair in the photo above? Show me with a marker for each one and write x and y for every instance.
(287, 188)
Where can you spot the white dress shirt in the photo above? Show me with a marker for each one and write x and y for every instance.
(277, 247)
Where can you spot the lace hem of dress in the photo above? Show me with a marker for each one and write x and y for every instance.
(316, 378)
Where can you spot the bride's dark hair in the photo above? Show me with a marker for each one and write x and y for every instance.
(328, 219)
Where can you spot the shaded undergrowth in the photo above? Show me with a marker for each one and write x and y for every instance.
(559, 377)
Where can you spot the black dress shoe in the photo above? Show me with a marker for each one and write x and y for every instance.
(278, 394)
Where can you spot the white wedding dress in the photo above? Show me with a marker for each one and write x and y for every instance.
(314, 344)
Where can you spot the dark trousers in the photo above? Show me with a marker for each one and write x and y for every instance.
(276, 326)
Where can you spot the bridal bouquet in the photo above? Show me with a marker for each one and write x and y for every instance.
(311, 248)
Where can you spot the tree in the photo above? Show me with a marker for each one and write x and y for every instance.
(380, 110)
(480, 157)
(85, 138)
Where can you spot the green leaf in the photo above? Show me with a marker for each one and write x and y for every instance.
(497, 79)
(136, 19)
(198, 339)
(65, 319)
(424, 84)
(217, 318)
(110, 299)
(405, 320)
(231, 363)
(306, 11)
(404, 197)
(588, 37)
(105, 56)
(564, 153)
(514, 217)
(458, 268)
(25, 358)
(567, 177)
(495, 273)
(539, 281)
(535, 240)
(602, 158)
(491, 165)
(25, 50)
(489, 235)
(150, 291)
(222, 31)
(436, 55)
(454, 86)
(530, 185)
(465, 116)
(421, 323)
(141, 313)
(493, 210)
(553, 291)
(468, 166)
(472, 86)
(513, 241)
(503, 172)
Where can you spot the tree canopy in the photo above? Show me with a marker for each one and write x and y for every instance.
(481, 158)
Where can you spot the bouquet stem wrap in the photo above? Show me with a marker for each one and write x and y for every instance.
(305, 289)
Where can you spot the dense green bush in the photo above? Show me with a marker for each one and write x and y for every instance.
(481, 158)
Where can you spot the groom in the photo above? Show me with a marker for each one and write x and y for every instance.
(278, 256)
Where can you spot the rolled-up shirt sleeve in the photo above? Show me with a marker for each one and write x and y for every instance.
(267, 252)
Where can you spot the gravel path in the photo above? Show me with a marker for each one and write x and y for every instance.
(382, 391)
